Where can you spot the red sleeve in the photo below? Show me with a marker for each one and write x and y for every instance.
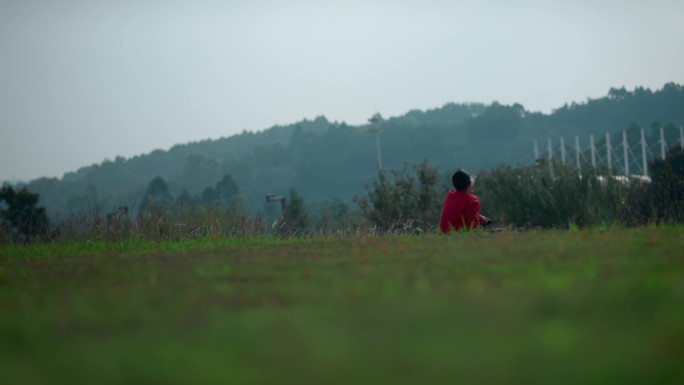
(472, 213)
(444, 219)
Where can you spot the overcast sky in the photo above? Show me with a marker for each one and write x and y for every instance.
(81, 81)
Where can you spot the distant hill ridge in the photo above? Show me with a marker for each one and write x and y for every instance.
(332, 160)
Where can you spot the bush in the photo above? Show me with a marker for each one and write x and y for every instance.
(21, 219)
(668, 186)
(527, 196)
(410, 194)
(537, 196)
(296, 214)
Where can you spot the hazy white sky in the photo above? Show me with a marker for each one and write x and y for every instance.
(81, 81)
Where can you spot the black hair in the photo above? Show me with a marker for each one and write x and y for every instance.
(461, 180)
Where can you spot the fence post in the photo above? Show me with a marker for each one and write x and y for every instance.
(643, 153)
(593, 151)
(608, 150)
(562, 149)
(625, 153)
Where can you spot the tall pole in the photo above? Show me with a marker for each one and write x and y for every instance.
(577, 151)
(593, 151)
(562, 148)
(644, 163)
(375, 128)
(608, 149)
(377, 146)
(624, 152)
(536, 151)
(681, 137)
(662, 142)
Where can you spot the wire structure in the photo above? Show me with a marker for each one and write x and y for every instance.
(624, 160)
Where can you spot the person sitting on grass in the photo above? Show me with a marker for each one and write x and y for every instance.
(461, 210)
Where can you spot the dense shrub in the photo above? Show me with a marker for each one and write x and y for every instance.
(21, 219)
(413, 193)
(548, 196)
(668, 186)
(557, 196)
(296, 217)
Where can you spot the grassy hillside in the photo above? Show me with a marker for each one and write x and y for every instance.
(594, 306)
(328, 161)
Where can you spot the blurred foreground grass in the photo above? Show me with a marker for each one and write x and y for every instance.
(593, 306)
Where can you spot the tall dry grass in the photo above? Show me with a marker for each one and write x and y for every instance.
(560, 196)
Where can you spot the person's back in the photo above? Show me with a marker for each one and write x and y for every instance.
(461, 210)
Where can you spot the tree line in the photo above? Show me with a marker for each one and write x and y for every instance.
(330, 162)
(406, 200)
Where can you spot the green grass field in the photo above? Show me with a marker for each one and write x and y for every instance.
(564, 307)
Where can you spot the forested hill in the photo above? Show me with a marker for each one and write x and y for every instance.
(327, 160)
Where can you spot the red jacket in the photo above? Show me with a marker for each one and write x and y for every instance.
(460, 209)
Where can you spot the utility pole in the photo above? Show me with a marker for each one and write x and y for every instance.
(536, 152)
(562, 149)
(608, 150)
(375, 129)
(593, 151)
(644, 161)
(625, 153)
(681, 137)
